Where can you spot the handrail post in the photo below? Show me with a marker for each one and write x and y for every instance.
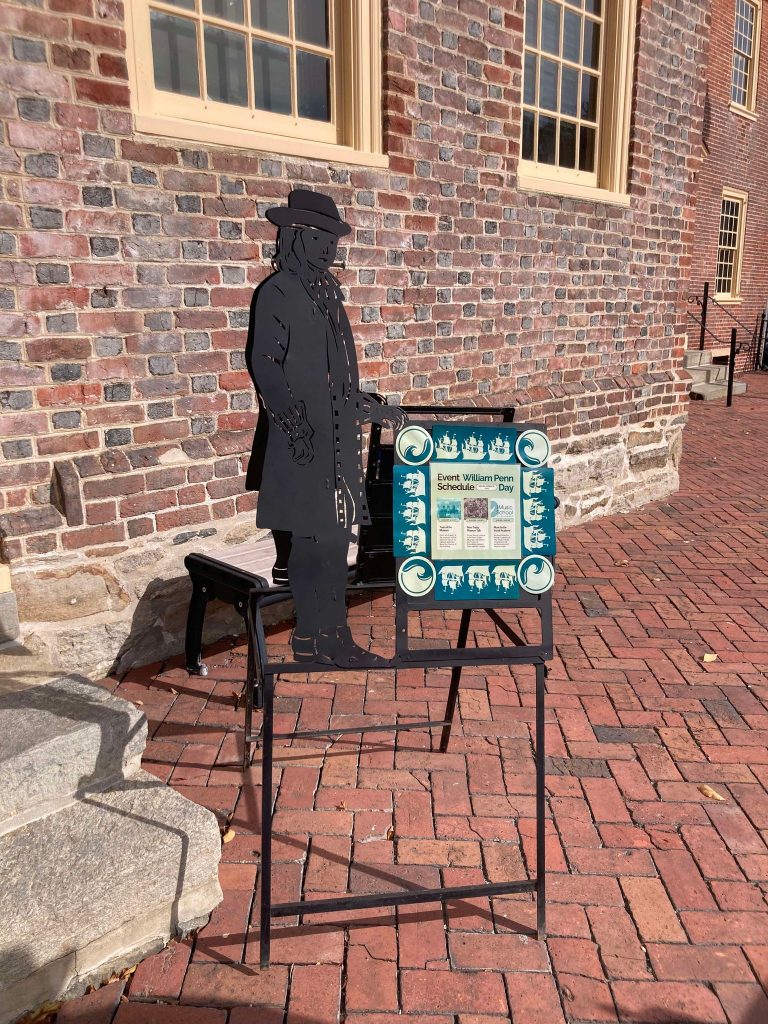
(762, 343)
(731, 367)
(704, 304)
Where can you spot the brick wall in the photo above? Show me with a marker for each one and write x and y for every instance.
(126, 410)
(735, 157)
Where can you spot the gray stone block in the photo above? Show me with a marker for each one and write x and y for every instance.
(61, 740)
(712, 392)
(9, 617)
(98, 885)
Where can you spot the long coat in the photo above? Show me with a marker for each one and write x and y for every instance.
(297, 354)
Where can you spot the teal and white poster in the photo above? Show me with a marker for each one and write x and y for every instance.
(474, 512)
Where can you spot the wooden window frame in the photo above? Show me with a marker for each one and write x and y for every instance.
(610, 182)
(749, 109)
(355, 137)
(742, 198)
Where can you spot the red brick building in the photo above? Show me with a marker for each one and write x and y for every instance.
(519, 177)
(731, 220)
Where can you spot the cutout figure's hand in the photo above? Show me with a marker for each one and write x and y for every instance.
(388, 416)
(293, 422)
(302, 451)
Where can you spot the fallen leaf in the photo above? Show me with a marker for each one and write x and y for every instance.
(707, 791)
(391, 832)
(708, 657)
(341, 806)
(624, 561)
(139, 703)
(174, 691)
(228, 836)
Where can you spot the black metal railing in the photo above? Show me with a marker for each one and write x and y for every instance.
(756, 341)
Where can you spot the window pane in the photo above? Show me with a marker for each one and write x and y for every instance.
(739, 70)
(587, 149)
(591, 43)
(547, 137)
(529, 121)
(569, 92)
(589, 97)
(529, 80)
(312, 21)
(550, 27)
(230, 10)
(564, 79)
(174, 54)
(548, 84)
(225, 69)
(271, 77)
(567, 157)
(571, 36)
(313, 81)
(271, 15)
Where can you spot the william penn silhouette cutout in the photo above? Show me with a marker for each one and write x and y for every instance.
(307, 458)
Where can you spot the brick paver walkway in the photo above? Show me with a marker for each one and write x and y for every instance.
(658, 909)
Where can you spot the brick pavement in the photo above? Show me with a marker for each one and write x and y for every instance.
(657, 893)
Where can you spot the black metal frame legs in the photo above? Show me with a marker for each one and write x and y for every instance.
(260, 689)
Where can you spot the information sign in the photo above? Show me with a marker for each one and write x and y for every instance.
(474, 511)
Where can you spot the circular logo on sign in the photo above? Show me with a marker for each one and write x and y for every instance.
(416, 576)
(533, 448)
(536, 574)
(414, 446)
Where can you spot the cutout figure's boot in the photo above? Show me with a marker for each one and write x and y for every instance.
(305, 648)
(344, 652)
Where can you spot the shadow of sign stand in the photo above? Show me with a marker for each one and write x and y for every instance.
(472, 528)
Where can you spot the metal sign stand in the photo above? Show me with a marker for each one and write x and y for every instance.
(260, 690)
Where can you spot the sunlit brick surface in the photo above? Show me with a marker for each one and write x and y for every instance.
(657, 907)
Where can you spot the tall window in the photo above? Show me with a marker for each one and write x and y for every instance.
(730, 244)
(746, 40)
(563, 63)
(578, 57)
(293, 72)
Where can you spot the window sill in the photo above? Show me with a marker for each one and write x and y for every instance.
(728, 300)
(745, 112)
(269, 145)
(538, 181)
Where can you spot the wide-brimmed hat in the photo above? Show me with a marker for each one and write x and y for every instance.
(309, 209)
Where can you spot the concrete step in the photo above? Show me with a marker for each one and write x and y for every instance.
(717, 372)
(60, 740)
(709, 392)
(98, 885)
(693, 357)
(698, 373)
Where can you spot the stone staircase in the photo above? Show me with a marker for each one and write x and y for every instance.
(710, 380)
(100, 862)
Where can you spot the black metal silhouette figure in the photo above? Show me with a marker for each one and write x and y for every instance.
(307, 458)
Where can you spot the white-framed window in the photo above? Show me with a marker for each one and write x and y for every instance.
(746, 55)
(730, 245)
(301, 77)
(578, 59)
